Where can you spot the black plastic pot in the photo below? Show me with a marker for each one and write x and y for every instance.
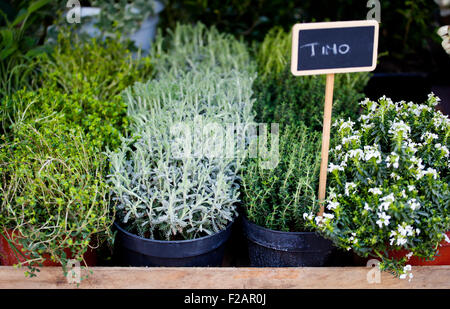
(269, 248)
(133, 250)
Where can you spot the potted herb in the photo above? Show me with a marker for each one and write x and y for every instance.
(53, 199)
(388, 189)
(175, 193)
(275, 200)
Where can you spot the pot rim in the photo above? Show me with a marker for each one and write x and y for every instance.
(244, 217)
(185, 241)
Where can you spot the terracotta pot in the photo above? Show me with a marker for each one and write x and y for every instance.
(443, 257)
(8, 256)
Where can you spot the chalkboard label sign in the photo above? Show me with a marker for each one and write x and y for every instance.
(334, 47)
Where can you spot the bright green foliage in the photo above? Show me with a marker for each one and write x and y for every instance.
(83, 81)
(101, 69)
(277, 198)
(52, 192)
(287, 99)
(102, 121)
(389, 182)
(273, 54)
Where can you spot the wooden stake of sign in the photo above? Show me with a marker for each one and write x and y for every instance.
(329, 48)
(325, 139)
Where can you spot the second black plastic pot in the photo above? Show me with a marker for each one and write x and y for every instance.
(133, 250)
(269, 248)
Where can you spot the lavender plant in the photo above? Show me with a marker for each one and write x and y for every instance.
(389, 183)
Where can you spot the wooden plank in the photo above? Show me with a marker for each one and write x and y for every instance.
(226, 278)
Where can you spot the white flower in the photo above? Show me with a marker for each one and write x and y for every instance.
(399, 129)
(432, 172)
(318, 220)
(332, 205)
(406, 230)
(407, 268)
(307, 216)
(434, 98)
(411, 188)
(446, 238)
(332, 167)
(372, 152)
(428, 136)
(328, 216)
(387, 201)
(348, 187)
(392, 160)
(409, 255)
(375, 191)
(367, 207)
(346, 125)
(444, 149)
(394, 176)
(356, 153)
(384, 219)
(413, 204)
(347, 140)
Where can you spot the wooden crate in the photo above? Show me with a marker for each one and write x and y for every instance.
(226, 278)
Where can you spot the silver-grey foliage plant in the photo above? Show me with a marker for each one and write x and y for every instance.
(165, 182)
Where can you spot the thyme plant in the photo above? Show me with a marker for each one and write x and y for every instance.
(277, 198)
(54, 200)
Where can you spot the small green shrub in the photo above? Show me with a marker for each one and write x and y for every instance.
(287, 99)
(389, 182)
(277, 198)
(103, 121)
(82, 80)
(100, 68)
(52, 192)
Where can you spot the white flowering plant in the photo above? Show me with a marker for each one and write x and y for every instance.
(388, 187)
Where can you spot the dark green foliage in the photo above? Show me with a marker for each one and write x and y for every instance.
(19, 37)
(277, 198)
(286, 99)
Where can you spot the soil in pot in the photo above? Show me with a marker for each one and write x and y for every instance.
(8, 257)
(133, 250)
(269, 248)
